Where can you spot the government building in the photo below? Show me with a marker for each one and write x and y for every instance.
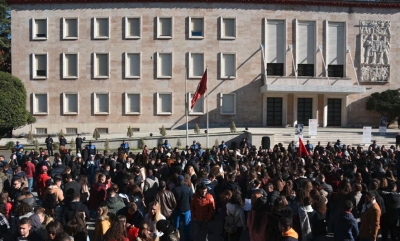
(113, 64)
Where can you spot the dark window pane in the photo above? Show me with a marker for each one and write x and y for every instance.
(305, 70)
(275, 69)
(335, 71)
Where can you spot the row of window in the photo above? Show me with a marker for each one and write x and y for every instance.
(132, 67)
(303, 53)
(133, 28)
(132, 104)
(74, 130)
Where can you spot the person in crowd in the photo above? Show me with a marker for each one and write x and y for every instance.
(133, 215)
(26, 197)
(183, 195)
(41, 181)
(91, 148)
(144, 232)
(346, 226)
(166, 199)
(54, 229)
(76, 226)
(103, 223)
(117, 232)
(26, 232)
(306, 213)
(390, 218)
(78, 143)
(285, 227)
(125, 147)
(114, 201)
(29, 172)
(257, 219)
(370, 218)
(53, 195)
(98, 193)
(152, 217)
(150, 188)
(202, 208)
(170, 233)
(49, 145)
(235, 221)
(70, 208)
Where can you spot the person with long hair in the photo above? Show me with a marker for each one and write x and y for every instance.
(144, 232)
(83, 181)
(257, 219)
(54, 229)
(280, 209)
(103, 223)
(306, 212)
(234, 208)
(76, 227)
(116, 232)
(152, 217)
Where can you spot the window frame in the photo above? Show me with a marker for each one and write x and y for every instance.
(33, 66)
(127, 112)
(95, 28)
(190, 28)
(202, 99)
(65, 112)
(34, 100)
(158, 69)
(65, 29)
(67, 133)
(221, 69)
(126, 36)
(222, 36)
(127, 67)
(221, 95)
(159, 112)
(96, 104)
(190, 64)
(64, 69)
(95, 65)
(34, 30)
(159, 36)
(43, 128)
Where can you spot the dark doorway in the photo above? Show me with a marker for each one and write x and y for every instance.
(304, 110)
(274, 111)
(334, 112)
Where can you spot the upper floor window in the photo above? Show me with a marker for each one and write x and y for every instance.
(335, 48)
(101, 28)
(39, 29)
(39, 66)
(165, 27)
(228, 28)
(70, 28)
(275, 50)
(70, 65)
(196, 27)
(228, 65)
(133, 27)
(305, 48)
(101, 68)
(164, 65)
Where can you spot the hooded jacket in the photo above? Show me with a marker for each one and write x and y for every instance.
(71, 207)
(41, 183)
(345, 227)
(115, 204)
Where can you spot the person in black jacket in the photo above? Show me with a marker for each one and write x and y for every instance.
(390, 218)
(49, 145)
(78, 143)
(26, 232)
(170, 232)
(183, 195)
(71, 207)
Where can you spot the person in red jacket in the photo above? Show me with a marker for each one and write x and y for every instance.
(41, 181)
(98, 193)
(30, 170)
(202, 207)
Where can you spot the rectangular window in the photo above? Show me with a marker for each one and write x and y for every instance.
(71, 131)
(41, 131)
(305, 46)
(228, 28)
(196, 65)
(164, 65)
(102, 130)
(305, 69)
(39, 29)
(70, 65)
(164, 103)
(101, 28)
(132, 65)
(198, 108)
(335, 56)
(70, 101)
(40, 104)
(275, 49)
(132, 103)
(164, 27)
(39, 66)
(101, 103)
(133, 27)
(228, 65)
(101, 68)
(196, 27)
(228, 104)
(70, 28)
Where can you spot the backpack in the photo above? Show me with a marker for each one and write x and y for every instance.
(50, 202)
(230, 224)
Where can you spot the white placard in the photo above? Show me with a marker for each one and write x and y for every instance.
(367, 134)
(312, 127)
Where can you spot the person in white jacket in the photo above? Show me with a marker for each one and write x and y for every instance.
(305, 214)
(234, 207)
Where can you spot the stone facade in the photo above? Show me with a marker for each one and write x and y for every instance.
(251, 103)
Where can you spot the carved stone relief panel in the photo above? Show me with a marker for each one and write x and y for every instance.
(375, 48)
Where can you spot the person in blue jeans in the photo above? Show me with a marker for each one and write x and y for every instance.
(183, 194)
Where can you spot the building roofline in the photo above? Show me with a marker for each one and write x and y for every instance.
(333, 3)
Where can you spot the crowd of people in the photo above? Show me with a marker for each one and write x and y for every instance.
(298, 192)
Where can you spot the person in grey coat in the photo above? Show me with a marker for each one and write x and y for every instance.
(150, 188)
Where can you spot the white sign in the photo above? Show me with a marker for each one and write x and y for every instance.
(382, 130)
(367, 134)
(312, 127)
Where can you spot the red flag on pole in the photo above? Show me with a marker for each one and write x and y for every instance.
(302, 150)
(201, 89)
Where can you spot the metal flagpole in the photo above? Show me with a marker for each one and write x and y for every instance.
(207, 109)
(186, 108)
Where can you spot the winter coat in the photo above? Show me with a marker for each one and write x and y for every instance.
(345, 227)
(202, 208)
(97, 196)
(305, 214)
(370, 222)
(237, 211)
(115, 204)
(183, 195)
(71, 207)
(150, 188)
(167, 202)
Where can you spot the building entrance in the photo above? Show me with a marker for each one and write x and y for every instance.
(274, 111)
(304, 110)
